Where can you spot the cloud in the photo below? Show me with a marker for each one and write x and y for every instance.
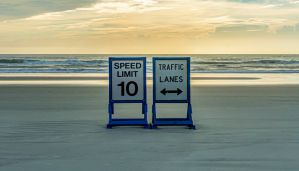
(289, 30)
(25, 8)
(264, 1)
(91, 23)
(294, 2)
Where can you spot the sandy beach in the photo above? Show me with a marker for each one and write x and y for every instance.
(245, 122)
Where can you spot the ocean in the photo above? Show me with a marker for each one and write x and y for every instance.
(201, 63)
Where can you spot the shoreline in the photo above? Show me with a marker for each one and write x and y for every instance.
(197, 79)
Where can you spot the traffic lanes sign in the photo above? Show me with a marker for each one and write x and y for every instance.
(171, 79)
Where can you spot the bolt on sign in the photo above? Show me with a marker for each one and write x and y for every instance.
(127, 84)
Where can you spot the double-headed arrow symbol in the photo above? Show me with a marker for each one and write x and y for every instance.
(177, 91)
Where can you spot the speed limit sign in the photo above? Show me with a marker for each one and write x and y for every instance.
(127, 79)
(127, 84)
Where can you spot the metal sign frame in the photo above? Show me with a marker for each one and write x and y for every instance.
(172, 121)
(127, 121)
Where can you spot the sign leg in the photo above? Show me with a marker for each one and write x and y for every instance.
(154, 126)
(189, 116)
(110, 111)
(189, 111)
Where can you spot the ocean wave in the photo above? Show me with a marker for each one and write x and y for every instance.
(77, 62)
(13, 61)
(215, 62)
(262, 61)
(98, 64)
(272, 61)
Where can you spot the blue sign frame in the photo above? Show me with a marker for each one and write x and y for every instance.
(127, 121)
(172, 121)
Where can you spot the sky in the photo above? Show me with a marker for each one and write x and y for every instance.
(149, 26)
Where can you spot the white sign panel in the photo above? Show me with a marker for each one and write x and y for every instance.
(171, 79)
(127, 79)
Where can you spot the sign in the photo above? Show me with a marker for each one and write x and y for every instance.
(128, 78)
(171, 79)
(127, 84)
